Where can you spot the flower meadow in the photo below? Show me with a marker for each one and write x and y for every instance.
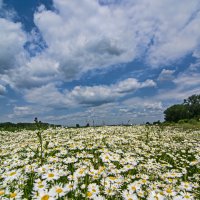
(133, 162)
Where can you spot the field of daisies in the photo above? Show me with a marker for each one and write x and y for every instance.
(135, 162)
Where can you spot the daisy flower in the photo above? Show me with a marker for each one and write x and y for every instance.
(15, 195)
(50, 176)
(43, 195)
(128, 196)
(58, 191)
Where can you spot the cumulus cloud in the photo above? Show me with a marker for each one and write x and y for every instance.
(186, 84)
(86, 95)
(2, 89)
(166, 75)
(195, 66)
(80, 38)
(34, 72)
(23, 111)
(87, 35)
(177, 32)
(134, 110)
(12, 39)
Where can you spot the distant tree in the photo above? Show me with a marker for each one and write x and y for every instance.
(193, 105)
(157, 122)
(176, 113)
(36, 120)
(77, 125)
(189, 109)
(87, 125)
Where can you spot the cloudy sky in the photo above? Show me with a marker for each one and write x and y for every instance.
(111, 61)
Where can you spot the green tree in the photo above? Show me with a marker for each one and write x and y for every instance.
(189, 109)
(176, 113)
(193, 105)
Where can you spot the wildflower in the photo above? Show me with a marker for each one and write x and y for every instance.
(11, 175)
(40, 185)
(128, 196)
(186, 186)
(43, 195)
(133, 187)
(58, 191)
(2, 192)
(93, 188)
(50, 176)
(169, 192)
(15, 195)
(155, 196)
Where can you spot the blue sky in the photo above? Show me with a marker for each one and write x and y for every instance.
(110, 61)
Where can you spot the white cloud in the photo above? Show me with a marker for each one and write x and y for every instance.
(166, 75)
(87, 35)
(28, 112)
(23, 111)
(2, 89)
(177, 31)
(12, 39)
(34, 72)
(50, 95)
(195, 66)
(186, 84)
(134, 110)
(47, 95)
(143, 103)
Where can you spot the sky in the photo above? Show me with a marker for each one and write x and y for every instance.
(97, 61)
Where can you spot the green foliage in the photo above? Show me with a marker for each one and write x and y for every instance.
(193, 121)
(182, 121)
(8, 126)
(181, 113)
(176, 113)
(193, 105)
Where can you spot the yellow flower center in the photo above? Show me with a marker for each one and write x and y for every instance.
(140, 194)
(93, 190)
(81, 171)
(12, 173)
(50, 175)
(112, 178)
(187, 196)
(59, 190)
(89, 194)
(2, 192)
(13, 195)
(133, 188)
(169, 191)
(144, 181)
(41, 186)
(45, 197)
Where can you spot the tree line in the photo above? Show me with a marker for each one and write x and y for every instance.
(189, 109)
(8, 126)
